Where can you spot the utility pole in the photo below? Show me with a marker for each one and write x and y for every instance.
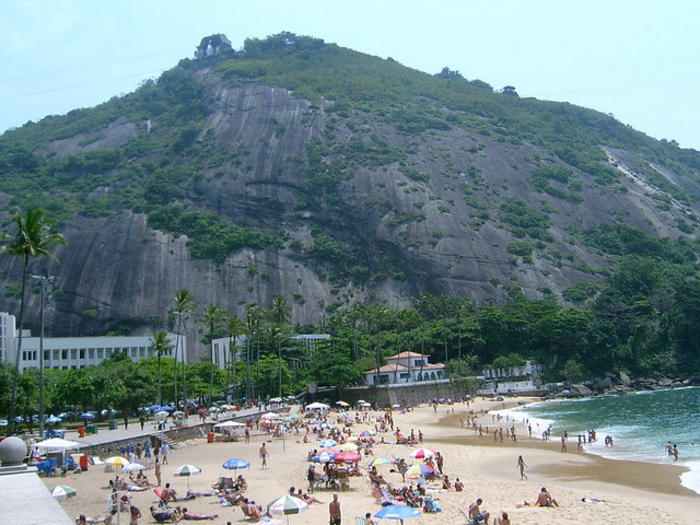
(44, 280)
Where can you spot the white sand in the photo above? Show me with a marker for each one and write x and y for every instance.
(487, 471)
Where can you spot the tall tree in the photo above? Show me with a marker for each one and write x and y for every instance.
(184, 305)
(212, 318)
(253, 316)
(161, 344)
(33, 238)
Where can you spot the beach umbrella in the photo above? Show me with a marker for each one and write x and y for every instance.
(61, 492)
(342, 403)
(380, 461)
(287, 505)
(162, 414)
(396, 405)
(270, 415)
(276, 400)
(366, 433)
(324, 457)
(416, 471)
(295, 416)
(348, 457)
(331, 450)
(117, 461)
(154, 407)
(348, 446)
(423, 453)
(326, 425)
(187, 470)
(87, 415)
(53, 419)
(167, 408)
(328, 443)
(360, 401)
(132, 467)
(397, 512)
(235, 464)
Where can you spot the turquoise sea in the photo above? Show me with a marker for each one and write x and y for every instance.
(640, 424)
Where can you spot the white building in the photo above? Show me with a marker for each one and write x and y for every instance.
(222, 357)
(77, 352)
(518, 379)
(406, 367)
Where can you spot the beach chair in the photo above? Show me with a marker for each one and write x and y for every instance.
(360, 520)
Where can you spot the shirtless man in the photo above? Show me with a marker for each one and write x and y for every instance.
(476, 514)
(168, 493)
(263, 456)
(544, 499)
(334, 511)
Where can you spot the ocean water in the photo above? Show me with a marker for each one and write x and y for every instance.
(640, 424)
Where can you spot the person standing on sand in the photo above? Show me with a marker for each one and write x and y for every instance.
(334, 511)
(263, 456)
(563, 443)
(157, 471)
(521, 466)
(164, 449)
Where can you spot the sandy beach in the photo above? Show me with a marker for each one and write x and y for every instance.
(633, 492)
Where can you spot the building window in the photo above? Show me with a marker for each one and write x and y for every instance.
(419, 362)
(404, 375)
(64, 354)
(100, 353)
(74, 353)
(56, 355)
(142, 351)
(384, 379)
(82, 353)
(47, 355)
(91, 353)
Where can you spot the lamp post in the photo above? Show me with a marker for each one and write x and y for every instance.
(44, 280)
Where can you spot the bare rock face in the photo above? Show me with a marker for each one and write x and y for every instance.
(427, 220)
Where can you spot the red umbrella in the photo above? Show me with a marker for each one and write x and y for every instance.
(348, 456)
(423, 453)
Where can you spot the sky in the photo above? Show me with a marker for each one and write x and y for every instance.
(638, 60)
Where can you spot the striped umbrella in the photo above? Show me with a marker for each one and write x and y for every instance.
(423, 453)
(380, 461)
(61, 492)
(187, 470)
(416, 471)
(328, 443)
(287, 505)
(324, 457)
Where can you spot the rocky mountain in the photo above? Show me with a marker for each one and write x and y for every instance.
(299, 168)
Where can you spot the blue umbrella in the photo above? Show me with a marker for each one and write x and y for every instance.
(154, 407)
(87, 415)
(53, 419)
(235, 464)
(397, 512)
(169, 409)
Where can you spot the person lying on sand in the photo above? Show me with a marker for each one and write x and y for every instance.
(84, 520)
(186, 515)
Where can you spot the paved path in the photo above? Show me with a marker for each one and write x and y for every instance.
(134, 430)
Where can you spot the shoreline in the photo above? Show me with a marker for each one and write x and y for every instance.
(581, 466)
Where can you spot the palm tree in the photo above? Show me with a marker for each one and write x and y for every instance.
(184, 304)
(161, 344)
(235, 328)
(279, 314)
(212, 318)
(253, 315)
(33, 238)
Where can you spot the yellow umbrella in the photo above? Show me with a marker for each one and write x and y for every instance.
(117, 461)
(348, 446)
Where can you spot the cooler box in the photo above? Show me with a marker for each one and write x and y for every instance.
(210, 437)
(84, 462)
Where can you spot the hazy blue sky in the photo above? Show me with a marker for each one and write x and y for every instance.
(636, 59)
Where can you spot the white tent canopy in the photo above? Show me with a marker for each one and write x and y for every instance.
(229, 424)
(56, 444)
(317, 406)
